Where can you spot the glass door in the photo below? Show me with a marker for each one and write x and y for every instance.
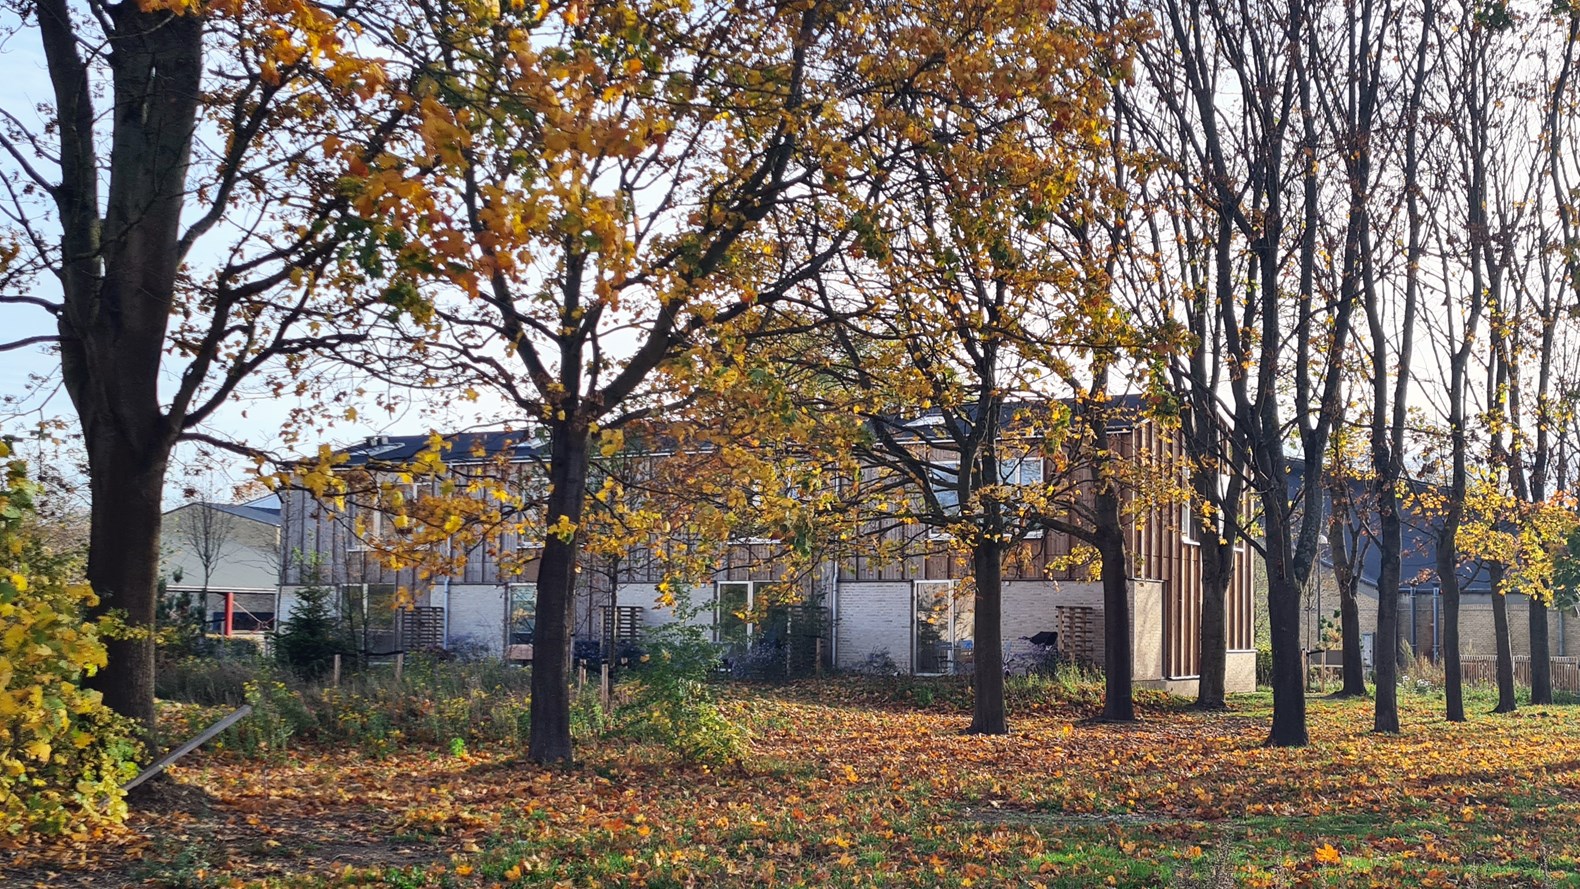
(932, 651)
(963, 627)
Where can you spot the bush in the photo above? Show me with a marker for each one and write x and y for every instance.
(311, 637)
(671, 703)
(63, 754)
(211, 682)
(1264, 663)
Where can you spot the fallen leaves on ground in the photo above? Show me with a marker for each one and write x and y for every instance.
(842, 788)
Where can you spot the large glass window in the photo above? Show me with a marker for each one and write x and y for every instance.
(945, 619)
(521, 617)
(943, 479)
(732, 608)
(368, 610)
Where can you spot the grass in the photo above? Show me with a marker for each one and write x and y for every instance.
(850, 782)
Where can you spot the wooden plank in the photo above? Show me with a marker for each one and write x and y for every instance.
(189, 746)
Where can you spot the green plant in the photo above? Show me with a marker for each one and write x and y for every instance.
(1264, 663)
(457, 747)
(63, 754)
(278, 715)
(311, 637)
(180, 621)
(672, 703)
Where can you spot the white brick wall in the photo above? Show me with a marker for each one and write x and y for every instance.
(874, 617)
(645, 596)
(1146, 630)
(477, 615)
(1029, 605)
(1239, 671)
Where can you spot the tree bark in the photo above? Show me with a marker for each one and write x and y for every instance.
(1453, 671)
(119, 278)
(127, 487)
(549, 739)
(1344, 572)
(1289, 718)
(1505, 652)
(987, 677)
(1217, 566)
(1541, 654)
(1118, 657)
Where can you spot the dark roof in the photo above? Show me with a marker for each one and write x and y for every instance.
(1418, 544)
(1125, 411)
(261, 514)
(462, 447)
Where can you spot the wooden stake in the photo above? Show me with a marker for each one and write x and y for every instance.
(334, 677)
(400, 664)
(189, 746)
(603, 686)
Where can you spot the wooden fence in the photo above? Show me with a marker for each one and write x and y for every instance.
(1482, 670)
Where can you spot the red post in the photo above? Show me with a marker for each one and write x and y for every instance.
(230, 612)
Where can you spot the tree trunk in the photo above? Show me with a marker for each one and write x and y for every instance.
(1289, 692)
(1217, 566)
(1350, 627)
(118, 286)
(123, 567)
(1118, 657)
(1541, 664)
(1385, 653)
(1448, 580)
(549, 740)
(987, 677)
(1344, 573)
(1500, 631)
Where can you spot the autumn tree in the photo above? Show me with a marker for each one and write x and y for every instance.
(1350, 538)
(592, 190)
(172, 211)
(1253, 162)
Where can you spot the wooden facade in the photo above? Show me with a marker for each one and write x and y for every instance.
(1159, 549)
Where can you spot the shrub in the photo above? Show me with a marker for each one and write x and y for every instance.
(672, 704)
(311, 637)
(1264, 663)
(63, 754)
(211, 682)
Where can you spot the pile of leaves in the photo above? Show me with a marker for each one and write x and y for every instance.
(860, 792)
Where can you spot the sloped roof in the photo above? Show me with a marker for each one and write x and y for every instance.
(463, 447)
(1125, 410)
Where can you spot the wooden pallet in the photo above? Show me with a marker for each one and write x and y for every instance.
(1079, 632)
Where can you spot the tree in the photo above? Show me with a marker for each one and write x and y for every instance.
(313, 634)
(1252, 160)
(175, 125)
(989, 333)
(209, 534)
(1348, 542)
(590, 192)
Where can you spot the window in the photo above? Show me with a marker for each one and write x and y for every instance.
(368, 610)
(1024, 471)
(733, 602)
(379, 518)
(521, 615)
(1190, 511)
(943, 479)
(942, 628)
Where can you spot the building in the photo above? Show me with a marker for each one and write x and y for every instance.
(1420, 597)
(910, 611)
(226, 558)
